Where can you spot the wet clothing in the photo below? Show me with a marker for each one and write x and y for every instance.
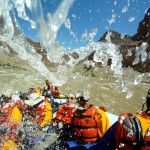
(10, 120)
(64, 115)
(11, 116)
(90, 125)
(40, 113)
(133, 131)
(130, 132)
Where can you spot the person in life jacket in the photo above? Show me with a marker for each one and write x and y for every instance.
(10, 120)
(47, 89)
(133, 130)
(37, 116)
(64, 117)
(35, 90)
(55, 92)
(130, 132)
(89, 122)
(39, 109)
(65, 113)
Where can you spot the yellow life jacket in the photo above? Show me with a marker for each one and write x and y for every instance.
(38, 91)
(10, 145)
(16, 114)
(47, 115)
(145, 122)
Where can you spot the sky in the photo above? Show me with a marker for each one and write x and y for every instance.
(122, 16)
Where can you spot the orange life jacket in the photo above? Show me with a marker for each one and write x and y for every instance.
(7, 111)
(8, 122)
(20, 105)
(133, 132)
(85, 125)
(65, 114)
(37, 112)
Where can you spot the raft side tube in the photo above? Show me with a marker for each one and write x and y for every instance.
(112, 118)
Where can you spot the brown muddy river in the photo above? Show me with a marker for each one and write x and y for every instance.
(105, 91)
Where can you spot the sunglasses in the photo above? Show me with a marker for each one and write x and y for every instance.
(70, 98)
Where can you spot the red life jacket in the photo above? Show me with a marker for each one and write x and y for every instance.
(55, 93)
(37, 112)
(129, 133)
(6, 122)
(85, 125)
(7, 111)
(20, 105)
(65, 114)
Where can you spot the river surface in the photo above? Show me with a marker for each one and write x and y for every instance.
(104, 89)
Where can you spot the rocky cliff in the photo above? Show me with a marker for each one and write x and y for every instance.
(128, 43)
(143, 31)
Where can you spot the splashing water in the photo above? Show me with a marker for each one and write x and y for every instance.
(68, 26)
(131, 19)
(141, 51)
(124, 9)
(138, 79)
(47, 31)
(105, 51)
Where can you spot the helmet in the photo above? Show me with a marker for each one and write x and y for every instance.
(85, 95)
(148, 98)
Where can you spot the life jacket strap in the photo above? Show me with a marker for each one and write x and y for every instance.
(137, 128)
(82, 138)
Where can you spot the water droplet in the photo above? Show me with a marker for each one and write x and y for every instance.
(124, 9)
(131, 19)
